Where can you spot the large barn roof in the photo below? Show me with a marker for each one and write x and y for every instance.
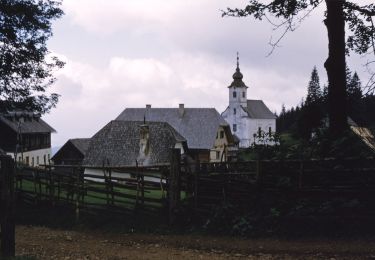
(25, 122)
(198, 125)
(257, 109)
(119, 144)
(82, 144)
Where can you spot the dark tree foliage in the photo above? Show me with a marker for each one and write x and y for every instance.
(312, 113)
(26, 70)
(314, 93)
(355, 98)
(360, 39)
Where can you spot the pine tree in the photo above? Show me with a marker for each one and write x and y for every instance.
(354, 98)
(354, 88)
(314, 93)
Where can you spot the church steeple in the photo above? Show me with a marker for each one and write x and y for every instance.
(237, 77)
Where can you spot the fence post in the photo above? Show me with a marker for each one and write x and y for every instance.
(7, 206)
(259, 170)
(174, 183)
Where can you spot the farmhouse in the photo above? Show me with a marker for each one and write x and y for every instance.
(26, 137)
(247, 118)
(72, 152)
(130, 143)
(207, 134)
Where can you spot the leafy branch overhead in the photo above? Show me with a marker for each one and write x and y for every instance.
(359, 20)
(26, 66)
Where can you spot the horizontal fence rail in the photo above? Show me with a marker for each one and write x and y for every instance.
(155, 189)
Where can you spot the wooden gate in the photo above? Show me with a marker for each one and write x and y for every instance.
(7, 206)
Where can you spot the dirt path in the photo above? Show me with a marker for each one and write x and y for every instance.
(46, 243)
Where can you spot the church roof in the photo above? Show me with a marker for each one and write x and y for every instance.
(257, 109)
(119, 143)
(237, 77)
(198, 125)
(25, 122)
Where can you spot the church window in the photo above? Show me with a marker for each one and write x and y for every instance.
(221, 134)
(217, 155)
(243, 94)
(234, 94)
(234, 127)
(234, 111)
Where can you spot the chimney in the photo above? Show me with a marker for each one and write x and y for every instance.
(144, 140)
(181, 110)
(148, 106)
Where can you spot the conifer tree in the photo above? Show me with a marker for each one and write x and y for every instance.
(314, 93)
(354, 98)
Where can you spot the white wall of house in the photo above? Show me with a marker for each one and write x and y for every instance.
(253, 126)
(34, 157)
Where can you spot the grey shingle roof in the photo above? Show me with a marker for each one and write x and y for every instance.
(118, 142)
(82, 144)
(198, 125)
(257, 109)
(32, 123)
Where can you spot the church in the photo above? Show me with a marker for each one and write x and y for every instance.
(248, 119)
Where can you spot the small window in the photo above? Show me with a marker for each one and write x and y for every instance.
(234, 127)
(234, 111)
(259, 131)
(221, 134)
(270, 130)
(243, 94)
(44, 159)
(37, 160)
(234, 94)
(217, 155)
(32, 161)
(27, 160)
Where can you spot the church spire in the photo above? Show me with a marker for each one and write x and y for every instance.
(237, 76)
(238, 63)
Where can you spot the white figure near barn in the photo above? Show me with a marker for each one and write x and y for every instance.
(247, 118)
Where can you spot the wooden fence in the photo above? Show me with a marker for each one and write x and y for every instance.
(159, 189)
(237, 182)
(7, 206)
(145, 189)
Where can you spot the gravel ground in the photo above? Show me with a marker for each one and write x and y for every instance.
(47, 243)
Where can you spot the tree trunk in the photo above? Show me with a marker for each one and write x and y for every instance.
(335, 66)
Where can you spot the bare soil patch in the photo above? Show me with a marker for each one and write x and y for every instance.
(48, 243)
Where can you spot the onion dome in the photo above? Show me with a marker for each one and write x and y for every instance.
(237, 77)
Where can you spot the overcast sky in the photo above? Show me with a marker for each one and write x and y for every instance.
(129, 53)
